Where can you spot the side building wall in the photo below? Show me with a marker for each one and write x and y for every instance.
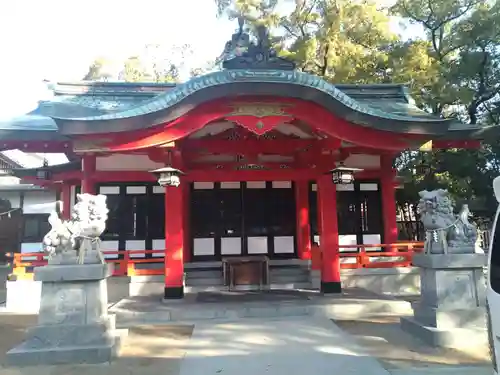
(35, 207)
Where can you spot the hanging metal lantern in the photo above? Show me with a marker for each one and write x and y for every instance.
(343, 175)
(43, 173)
(168, 176)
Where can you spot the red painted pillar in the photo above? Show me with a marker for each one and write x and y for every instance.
(66, 200)
(88, 170)
(302, 214)
(174, 235)
(329, 240)
(174, 242)
(186, 213)
(387, 181)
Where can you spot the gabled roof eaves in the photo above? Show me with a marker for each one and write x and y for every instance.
(9, 162)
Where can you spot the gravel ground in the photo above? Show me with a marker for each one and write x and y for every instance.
(383, 338)
(148, 350)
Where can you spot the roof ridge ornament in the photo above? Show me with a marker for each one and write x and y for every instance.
(241, 53)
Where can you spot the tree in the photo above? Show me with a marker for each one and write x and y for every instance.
(342, 41)
(462, 38)
(452, 70)
(156, 63)
(204, 69)
(98, 70)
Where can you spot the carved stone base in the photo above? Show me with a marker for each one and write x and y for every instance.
(451, 311)
(73, 323)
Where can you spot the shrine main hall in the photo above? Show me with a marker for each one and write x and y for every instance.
(256, 161)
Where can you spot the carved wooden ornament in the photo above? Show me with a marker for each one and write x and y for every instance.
(259, 118)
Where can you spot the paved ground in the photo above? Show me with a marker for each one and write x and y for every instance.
(285, 345)
(300, 345)
(450, 370)
(292, 346)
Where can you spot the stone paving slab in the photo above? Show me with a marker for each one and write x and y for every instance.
(291, 346)
(455, 370)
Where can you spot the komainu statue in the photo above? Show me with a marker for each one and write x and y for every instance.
(77, 239)
(445, 232)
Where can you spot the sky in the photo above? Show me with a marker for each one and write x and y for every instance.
(59, 39)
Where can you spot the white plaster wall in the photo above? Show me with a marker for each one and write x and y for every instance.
(39, 202)
(9, 180)
(14, 197)
(124, 162)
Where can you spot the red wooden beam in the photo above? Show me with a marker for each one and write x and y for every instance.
(238, 166)
(258, 146)
(125, 176)
(37, 146)
(314, 115)
(67, 176)
(217, 175)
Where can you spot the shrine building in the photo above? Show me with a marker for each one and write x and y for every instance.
(262, 160)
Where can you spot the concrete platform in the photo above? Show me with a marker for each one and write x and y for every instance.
(349, 305)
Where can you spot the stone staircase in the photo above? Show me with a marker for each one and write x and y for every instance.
(208, 277)
(282, 276)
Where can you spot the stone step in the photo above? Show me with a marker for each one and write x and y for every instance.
(205, 281)
(275, 279)
(219, 288)
(283, 270)
(203, 274)
(288, 271)
(300, 278)
(182, 312)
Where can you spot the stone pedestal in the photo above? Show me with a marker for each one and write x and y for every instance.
(73, 322)
(451, 311)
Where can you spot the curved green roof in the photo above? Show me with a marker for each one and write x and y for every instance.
(102, 107)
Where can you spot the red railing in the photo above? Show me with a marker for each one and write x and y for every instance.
(24, 262)
(365, 256)
(371, 256)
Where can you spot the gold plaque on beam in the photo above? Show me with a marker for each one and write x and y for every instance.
(90, 145)
(258, 109)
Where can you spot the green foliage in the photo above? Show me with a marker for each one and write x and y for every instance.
(97, 70)
(452, 70)
(154, 63)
